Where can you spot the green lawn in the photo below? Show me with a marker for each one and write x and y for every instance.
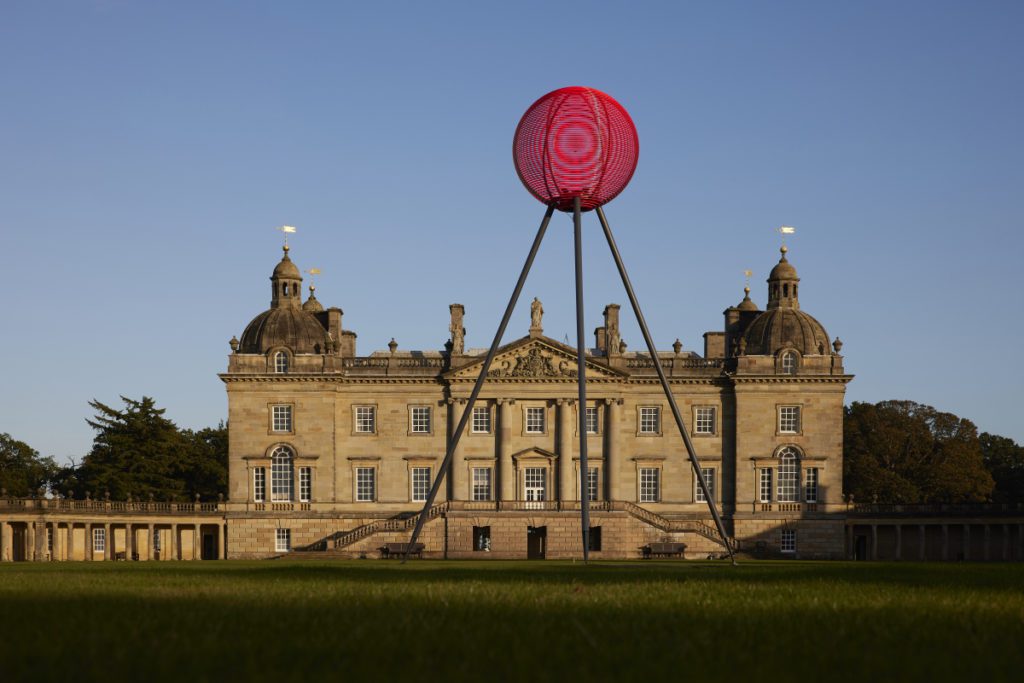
(511, 620)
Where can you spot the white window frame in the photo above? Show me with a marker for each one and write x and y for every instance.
(811, 485)
(787, 488)
(649, 484)
(788, 543)
(280, 362)
(419, 483)
(788, 362)
(259, 484)
(305, 484)
(649, 420)
(593, 420)
(282, 540)
(535, 484)
(705, 420)
(282, 475)
(765, 485)
(482, 483)
(99, 540)
(281, 418)
(366, 484)
(481, 423)
(364, 419)
(536, 415)
(709, 479)
(420, 420)
(593, 483)
(790, 419)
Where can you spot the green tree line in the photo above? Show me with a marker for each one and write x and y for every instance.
(136, 452)
(893, 452)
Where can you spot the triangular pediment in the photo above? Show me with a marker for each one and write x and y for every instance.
(534, 358)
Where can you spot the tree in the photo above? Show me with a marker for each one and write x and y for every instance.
(139, 452)
(905, 452)
(22, 471)
(1005, 460)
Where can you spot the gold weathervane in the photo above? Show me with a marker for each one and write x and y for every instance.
(747, 273)
(311, 273)
(785, 230)
(287, 230)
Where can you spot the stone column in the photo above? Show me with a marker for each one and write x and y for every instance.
(611, 449)
(899, 542)
(87, 550)
(58, 543)
(173, 543)
(5, 541)
(565, 473)
(71, 541)
(149, 539)
(108, 553)
(222, 547)
(874, 541)
(197, 542)
(40, 541)
(459, 488)
(129, 541)
(506, 468)
(921, 551)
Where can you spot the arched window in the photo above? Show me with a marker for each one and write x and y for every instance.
(280, 362)
(789, 476)
(281, 474)
(788, 363)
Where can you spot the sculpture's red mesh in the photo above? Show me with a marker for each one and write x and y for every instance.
(575, 142)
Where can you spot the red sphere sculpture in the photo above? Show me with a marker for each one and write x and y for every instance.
(575, 142)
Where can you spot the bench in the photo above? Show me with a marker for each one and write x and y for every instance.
(122, 556)
(663, 550)
(398, 550)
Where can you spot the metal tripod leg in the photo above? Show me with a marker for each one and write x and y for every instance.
(698, 473)
(581, 380)
(468, 412)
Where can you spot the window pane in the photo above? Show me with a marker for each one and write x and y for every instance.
(366, 489)
(481, 483)
(591, 420)
(281, 475)
(280, 362)
(650, 420)
(789, 419)
(789, 540)
(259, 484)
(766, 486)
(811, 485)
(481, 419)
(705, 420)
(421, 420)
(420, 483)
(650, 488)
(788, 476)
(305, 484)
(282, 421)
(366, 422)
(709, 479)
(535, 420)
(283, 540)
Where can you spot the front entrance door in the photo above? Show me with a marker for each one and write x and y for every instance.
(535, 490)
(536, 542)
(860, 548)
(19, 536)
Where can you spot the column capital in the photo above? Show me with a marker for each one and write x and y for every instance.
(505, 401)
(565, 401)
(613, 401)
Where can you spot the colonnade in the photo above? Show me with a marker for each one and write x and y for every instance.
(935, 540)
(56, 540)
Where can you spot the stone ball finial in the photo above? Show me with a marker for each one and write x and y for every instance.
(677, 346)
(234, 344)
(837, 345)
(106, 495)
(393, 345)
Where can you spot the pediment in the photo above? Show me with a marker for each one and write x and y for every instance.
(533, 453)
(534, 358)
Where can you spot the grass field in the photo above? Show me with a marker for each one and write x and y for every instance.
(537, 621)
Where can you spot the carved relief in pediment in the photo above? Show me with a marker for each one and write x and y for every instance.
(533, 363)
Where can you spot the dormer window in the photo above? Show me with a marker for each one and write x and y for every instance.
(280, 362)
(788, 363)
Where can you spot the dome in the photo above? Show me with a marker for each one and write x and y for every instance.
(747, 304)
(783, 270)
(294, 328)
(780, 328)
(312, 304)
(286, 269)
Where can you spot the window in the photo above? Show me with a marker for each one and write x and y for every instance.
(591, 420)
(788, 475)
(282, 418)
(811, 485)
(420, 484)
(366, 419)
(535, 484)
(420, 419)
(259, 484)
(366, 484)
(305, 484)
(535, 420)
(788, 363)
(280, 362)
(99, 540)
(594, 538)
(789, 419)
(650, 420)
(481, 420)
(704, 420)
(481, 483)
(789, 540)
(709, 480)
(156, 540)
(650, 484)
(766, 485)
(281, 475)
(482, 539)
(49, 540)
(283, 540)
(591, 483)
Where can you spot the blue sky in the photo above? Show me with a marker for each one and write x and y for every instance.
(148, 150)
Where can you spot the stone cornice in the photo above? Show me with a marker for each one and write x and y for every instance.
(791, 379)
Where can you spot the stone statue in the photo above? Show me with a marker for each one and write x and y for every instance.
(536, 316)
(458, 332)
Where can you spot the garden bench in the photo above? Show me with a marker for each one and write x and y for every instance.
(663, 550)
(399, 549)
